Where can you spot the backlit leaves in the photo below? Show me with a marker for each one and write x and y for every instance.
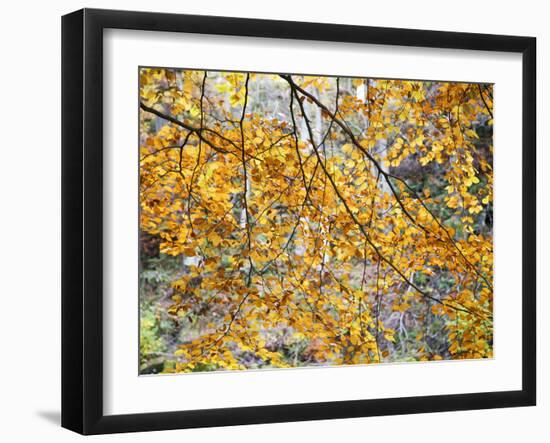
(324, 222)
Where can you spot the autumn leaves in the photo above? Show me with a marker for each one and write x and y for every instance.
(300, 239)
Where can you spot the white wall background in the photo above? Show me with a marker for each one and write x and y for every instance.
(30, 219)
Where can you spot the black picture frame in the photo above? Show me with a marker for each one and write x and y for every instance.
(82, 219)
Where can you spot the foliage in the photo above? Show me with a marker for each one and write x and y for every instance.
(317, 220)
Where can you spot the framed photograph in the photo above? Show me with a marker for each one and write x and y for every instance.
(269, 221)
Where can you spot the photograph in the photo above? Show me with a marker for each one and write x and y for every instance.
(292, 220)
